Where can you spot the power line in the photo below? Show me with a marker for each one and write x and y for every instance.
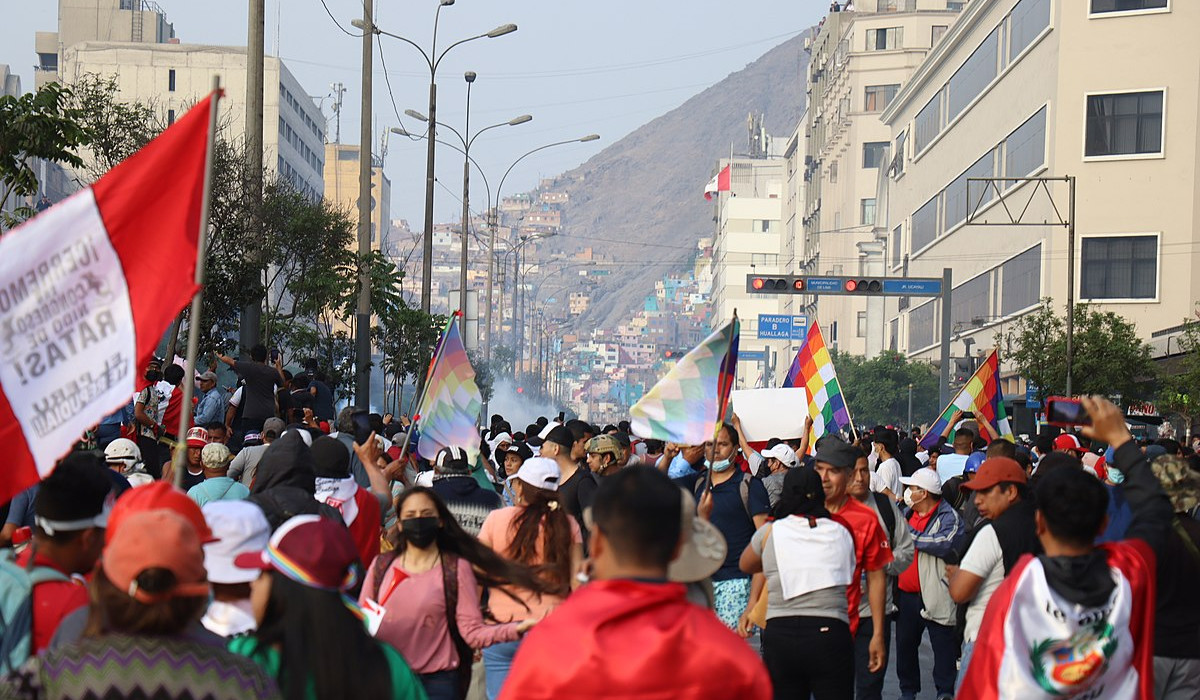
(337, 23)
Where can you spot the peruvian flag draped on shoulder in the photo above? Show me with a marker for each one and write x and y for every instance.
(87, 289)
(687, 404)
(721, 182)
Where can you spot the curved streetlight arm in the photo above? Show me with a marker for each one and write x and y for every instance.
(510, 122)
(420, 137)
(438, 61)
(540, 148)
(429, 62)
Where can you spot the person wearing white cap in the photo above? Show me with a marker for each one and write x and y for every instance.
(779, 459)
(237, 527)
(536, 532)
(924, 601)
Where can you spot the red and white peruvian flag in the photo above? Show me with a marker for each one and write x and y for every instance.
(87, 289)
(719, 183)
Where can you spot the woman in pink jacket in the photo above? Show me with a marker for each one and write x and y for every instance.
(409, 592)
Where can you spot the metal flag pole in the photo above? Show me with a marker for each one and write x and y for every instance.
(193, 344)
(437, 358)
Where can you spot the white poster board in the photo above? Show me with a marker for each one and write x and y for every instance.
(768, 413)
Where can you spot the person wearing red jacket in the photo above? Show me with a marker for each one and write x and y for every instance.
(1078, 620)
(631, 633)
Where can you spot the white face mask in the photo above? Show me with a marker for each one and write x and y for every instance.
(908, 498)
(720, 465)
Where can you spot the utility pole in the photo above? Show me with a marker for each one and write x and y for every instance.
(362, 317)
(248, 335)
(427, 243)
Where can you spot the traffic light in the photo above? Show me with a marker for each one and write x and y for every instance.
(673, 353)
(775, 285)
(870, 286)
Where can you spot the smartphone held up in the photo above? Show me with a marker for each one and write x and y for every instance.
(1065, 412)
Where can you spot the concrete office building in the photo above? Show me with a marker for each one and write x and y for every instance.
(749, 239)
(1102, 90)
(859, 61)
(125, 21)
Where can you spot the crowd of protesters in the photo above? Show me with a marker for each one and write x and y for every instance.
(312, 553)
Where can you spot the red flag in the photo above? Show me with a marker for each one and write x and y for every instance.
(721, 182)
(87, 289)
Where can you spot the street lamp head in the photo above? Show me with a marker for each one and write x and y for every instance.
(363, 26)
(502, 30)
(590, 137)
(520, 120)
(400, 131)
(416, 115)
(469, 76)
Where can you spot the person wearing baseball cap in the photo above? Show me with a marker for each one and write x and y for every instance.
(148, 589)
(239, 527)
(305, 574)
(577, 484)
(1068, 442)
(211, 406)
(217, 486)
(195, 441)
(582, 649)
(778, 460)
(604, 455)
(924, 602)
(1001, 494)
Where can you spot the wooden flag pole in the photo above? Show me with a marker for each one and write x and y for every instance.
(437, 358)
(193, 344)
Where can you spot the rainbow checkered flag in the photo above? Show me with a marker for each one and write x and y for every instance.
(449, 411)
(684, 405)
(813, 370)
(980, 395)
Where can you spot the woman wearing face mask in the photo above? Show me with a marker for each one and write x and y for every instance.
(737, 504)
(536, 532)
(409, 591)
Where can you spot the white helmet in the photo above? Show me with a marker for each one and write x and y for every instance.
(123, 450)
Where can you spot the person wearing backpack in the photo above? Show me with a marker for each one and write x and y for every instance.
(737, 504)
(423, 596)
(37, 588)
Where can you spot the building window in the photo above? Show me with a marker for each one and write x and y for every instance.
(1103, 6)
(878, 97)
(1129, 123)
(1029, 19)
(861, 330)
(833, 171)
(170, 117)
(763, 226)
(894, 332)
(1025, 148)
(924, 225)
(896, 169)
(873, 153)
(921, 326)
(970, 301)
(866, 211)
(959, 203)
(884, 39)
(895, 247)
(1119, 267)
(928, 123)
(970, 80)
(1021, 281)
(171, 80)
(936, 33)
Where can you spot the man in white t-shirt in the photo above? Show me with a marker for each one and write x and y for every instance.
(949, 466)
(999, 488)
(886, 478)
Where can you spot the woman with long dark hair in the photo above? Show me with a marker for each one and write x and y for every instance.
(423, 596)
(310, 633)
(536, 532)
(808, 560)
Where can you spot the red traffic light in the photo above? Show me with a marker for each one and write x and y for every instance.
(861, 286)
(758, 283)
(798, 285)
(851, 285)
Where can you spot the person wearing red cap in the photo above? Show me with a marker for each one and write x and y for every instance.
(197, 438)
(1000, 489)
(309, 566)
(149, 587)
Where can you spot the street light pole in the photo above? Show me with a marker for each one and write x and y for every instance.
(362, 320)
(469, 76)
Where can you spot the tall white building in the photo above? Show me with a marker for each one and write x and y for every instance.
(859, 60)
(1101, 90)
(125, 21)
(750, 240)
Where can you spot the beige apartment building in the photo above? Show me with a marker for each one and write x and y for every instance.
(859, 61)
(124, 21)
(1105, 91)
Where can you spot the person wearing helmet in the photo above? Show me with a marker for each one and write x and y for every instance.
(124, 457)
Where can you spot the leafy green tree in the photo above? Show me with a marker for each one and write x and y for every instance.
(406, 339)
(876, 390)
(36, 125)
(1179, 392)
(1109, 358)
(116, 128)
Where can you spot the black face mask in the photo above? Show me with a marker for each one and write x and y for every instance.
(153, 375)
(420, 531)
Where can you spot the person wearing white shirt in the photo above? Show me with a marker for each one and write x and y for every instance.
(886, 479)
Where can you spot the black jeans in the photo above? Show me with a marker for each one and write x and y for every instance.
(909, 628)
(441, 685)
(809, 656)
(868, 685)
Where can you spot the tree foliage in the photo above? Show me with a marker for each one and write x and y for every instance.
(406, 338)
(1109, 358)
(1179, 392)
(876, 389)
(116, 128)
(43, 125)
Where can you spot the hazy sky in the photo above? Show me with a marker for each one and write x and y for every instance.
(578, 67)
